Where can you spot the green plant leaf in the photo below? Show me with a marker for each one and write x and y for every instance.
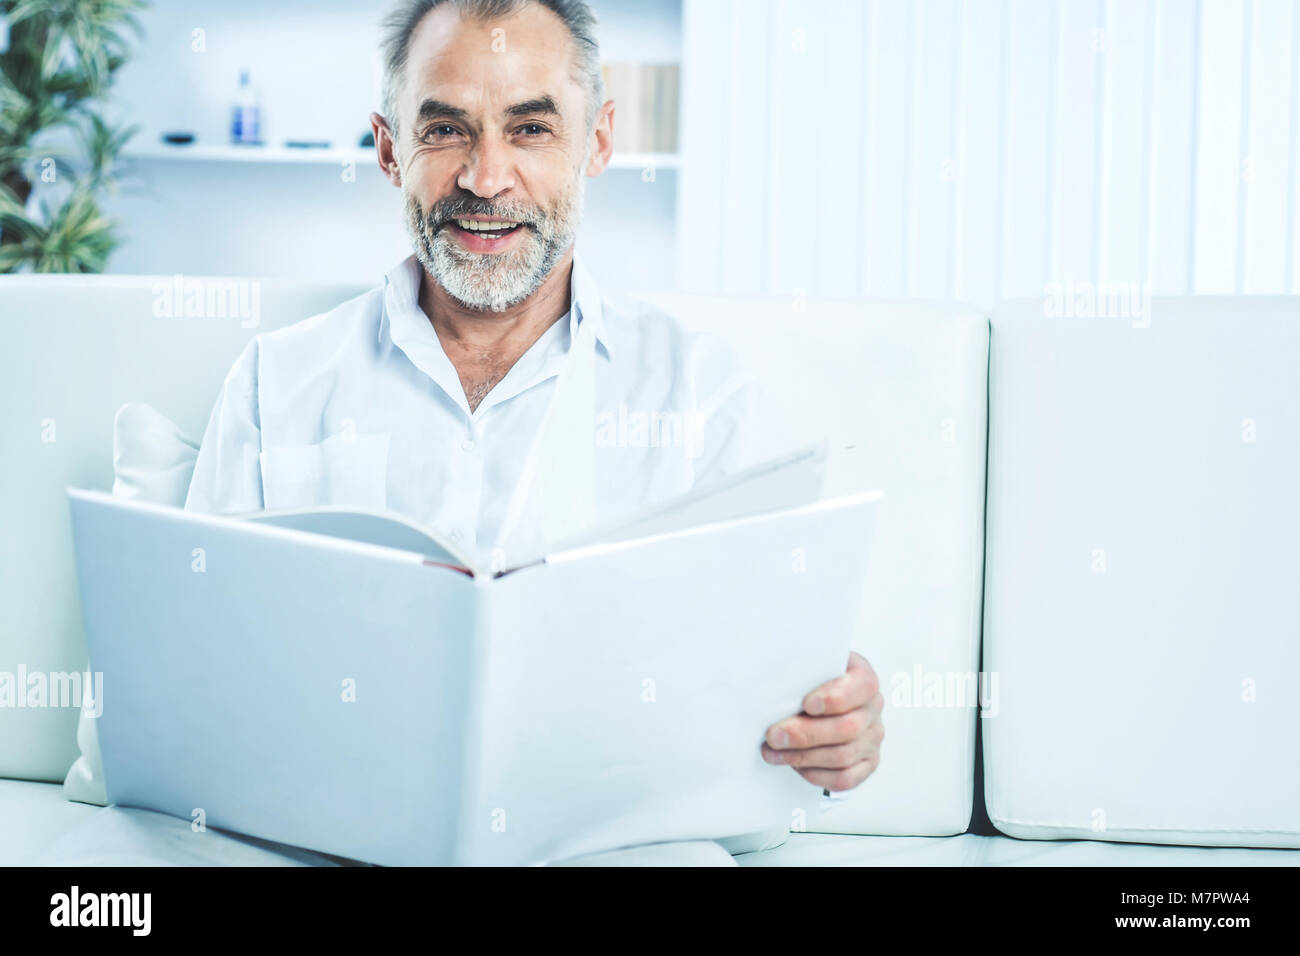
(61, 58)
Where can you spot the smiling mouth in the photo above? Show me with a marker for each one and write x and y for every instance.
(486, 228)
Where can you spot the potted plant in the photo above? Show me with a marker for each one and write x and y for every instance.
(57, 150)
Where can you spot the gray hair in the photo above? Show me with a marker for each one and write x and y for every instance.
(407, 14)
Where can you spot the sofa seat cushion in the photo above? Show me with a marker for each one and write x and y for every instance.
(39, 827)
(826, 849)
(32, 816)
(968, 849)
(123, 836)
(1008, 851)
(685, 853)
(72, 834)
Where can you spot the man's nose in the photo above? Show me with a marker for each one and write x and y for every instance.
(488, 171)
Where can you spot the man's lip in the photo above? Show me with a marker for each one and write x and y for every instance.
(478, 241)
(452, 220)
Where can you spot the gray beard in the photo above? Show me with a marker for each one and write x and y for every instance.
(494, 282)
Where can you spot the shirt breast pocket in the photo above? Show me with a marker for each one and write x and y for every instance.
(349, 471)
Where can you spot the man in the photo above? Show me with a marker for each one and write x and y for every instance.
(444, 393)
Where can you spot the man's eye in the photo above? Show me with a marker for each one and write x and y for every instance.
(533, 129)
(441, 131)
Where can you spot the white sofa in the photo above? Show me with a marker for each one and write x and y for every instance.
(1128, 578)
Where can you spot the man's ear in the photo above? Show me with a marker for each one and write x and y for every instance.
(385, 149)
(600, 145)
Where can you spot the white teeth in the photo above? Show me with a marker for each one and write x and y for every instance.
(493, 225)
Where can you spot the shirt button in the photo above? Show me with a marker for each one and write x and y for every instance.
(455, 536)
(467, 445)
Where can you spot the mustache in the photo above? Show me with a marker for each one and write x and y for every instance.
(445, 210)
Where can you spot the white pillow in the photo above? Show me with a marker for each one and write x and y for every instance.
(152, 461)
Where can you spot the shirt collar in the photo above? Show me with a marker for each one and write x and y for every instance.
(411, 331)
(586, 305)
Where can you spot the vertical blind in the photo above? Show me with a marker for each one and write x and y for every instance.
(988, 149)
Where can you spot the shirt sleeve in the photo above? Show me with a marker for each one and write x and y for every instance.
(227, 475)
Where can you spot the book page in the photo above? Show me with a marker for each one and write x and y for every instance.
(793, 479)
(626, 689)
(388, 531)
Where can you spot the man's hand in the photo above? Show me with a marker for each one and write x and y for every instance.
(835, 742)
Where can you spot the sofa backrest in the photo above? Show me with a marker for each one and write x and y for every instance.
(77, 348)
(900, 388)
(1142, 592)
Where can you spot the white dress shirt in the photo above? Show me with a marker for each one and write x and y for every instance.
(361, 407)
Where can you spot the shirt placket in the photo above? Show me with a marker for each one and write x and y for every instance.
(462, 494)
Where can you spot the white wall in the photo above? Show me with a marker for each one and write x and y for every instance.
(980, 149)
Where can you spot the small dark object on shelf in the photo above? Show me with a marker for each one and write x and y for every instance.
(178, 139)
(368, 139)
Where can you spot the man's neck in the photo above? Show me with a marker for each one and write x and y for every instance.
(484, 346)
(483, 331)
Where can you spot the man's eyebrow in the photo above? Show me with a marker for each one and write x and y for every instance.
(541, 104)
(431, 108)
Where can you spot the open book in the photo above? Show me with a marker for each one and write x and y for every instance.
(791, 479)
(333, 690)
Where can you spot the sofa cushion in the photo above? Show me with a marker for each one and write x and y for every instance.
(1141, 599)
(900, 389)
(153, 460)
(968, 849)
(85, 780)
(32, 817)
(123, 836)
(685, 853)
(76, 349)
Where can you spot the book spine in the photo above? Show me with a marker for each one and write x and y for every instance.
(475, 816)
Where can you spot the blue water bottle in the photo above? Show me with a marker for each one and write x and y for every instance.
(245, 116)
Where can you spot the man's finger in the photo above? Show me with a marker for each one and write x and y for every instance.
(845, 779)
(801, 732)
(847, 692)
(830, 758)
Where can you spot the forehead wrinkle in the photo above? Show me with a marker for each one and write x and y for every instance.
(470, 103)
(448, 64)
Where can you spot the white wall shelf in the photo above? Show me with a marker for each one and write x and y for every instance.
(197, 152)
(642, 160)
(362, 156)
